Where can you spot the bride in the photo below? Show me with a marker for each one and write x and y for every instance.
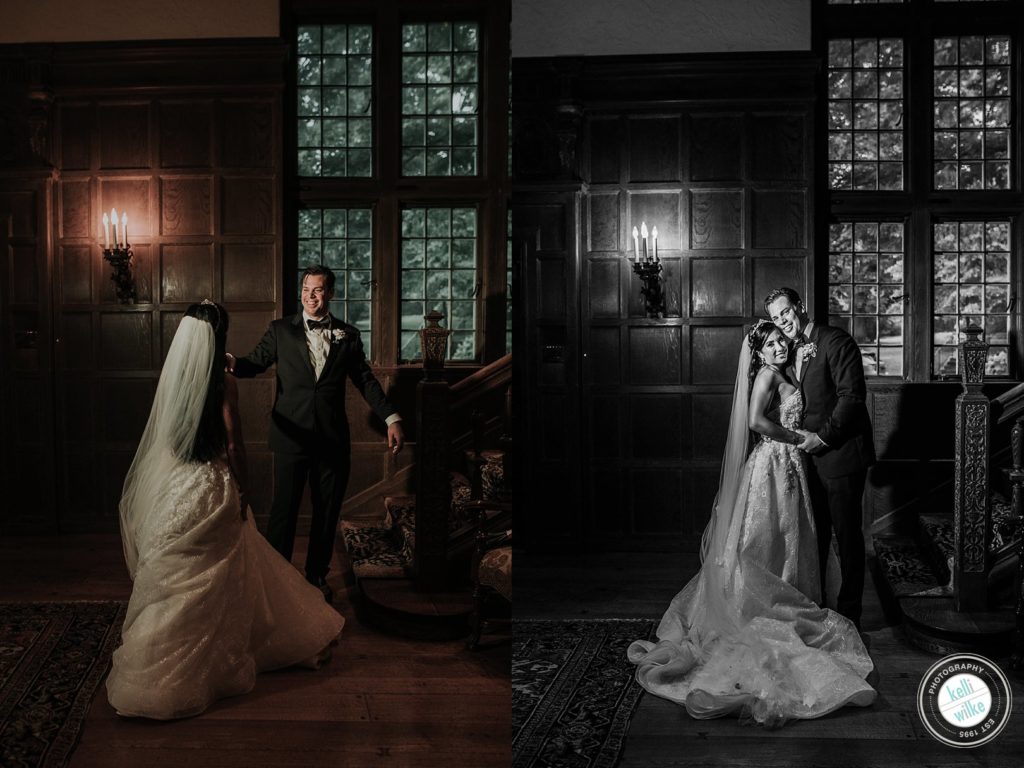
(746, 635)
(212, 603)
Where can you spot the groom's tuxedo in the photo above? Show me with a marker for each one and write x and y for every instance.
(834, 391)
(309, 432)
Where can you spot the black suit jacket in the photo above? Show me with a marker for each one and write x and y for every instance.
(834, 394)
(309, 413)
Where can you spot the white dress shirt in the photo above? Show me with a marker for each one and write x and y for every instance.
(318, 341)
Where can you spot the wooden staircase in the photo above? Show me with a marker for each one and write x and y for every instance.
(412, 565)
(954, 574)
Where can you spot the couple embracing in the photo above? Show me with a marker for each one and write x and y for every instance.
(750, 634)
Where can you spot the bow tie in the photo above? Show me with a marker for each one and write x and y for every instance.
(800, 340)
(316, 324)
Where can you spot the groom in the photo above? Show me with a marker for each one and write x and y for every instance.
(309, 432)
(828, 370)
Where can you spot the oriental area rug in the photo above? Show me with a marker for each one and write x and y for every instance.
(573, 691)
(53, 657)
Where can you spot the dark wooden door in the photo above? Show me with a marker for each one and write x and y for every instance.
(545, 249)
(27, 462)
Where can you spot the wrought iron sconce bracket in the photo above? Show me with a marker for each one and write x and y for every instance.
(121, 260)
(654, 298)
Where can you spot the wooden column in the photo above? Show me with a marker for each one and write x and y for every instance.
(433, 491)
(971, 513)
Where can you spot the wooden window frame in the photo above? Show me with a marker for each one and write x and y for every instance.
(387, 191)
(918, 22)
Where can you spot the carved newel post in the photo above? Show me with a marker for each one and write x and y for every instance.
(971, 517)
(433, 490)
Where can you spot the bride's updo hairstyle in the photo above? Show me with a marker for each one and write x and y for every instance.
(211, 437)
(756, 337)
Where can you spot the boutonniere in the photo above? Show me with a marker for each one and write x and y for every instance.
(810, 349)
(338, 335)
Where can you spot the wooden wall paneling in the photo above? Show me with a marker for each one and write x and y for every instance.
(716, 219)
(716, 144)
(186, 205)
(719, 158)
(186, 129)
(124, 135)
(654, 148)
(158, 131)
(76, 123)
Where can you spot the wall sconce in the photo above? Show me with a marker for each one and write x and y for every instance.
(434, 344)
(119, 256)
(646, 264)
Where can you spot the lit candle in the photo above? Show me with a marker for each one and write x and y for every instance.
(636, 243)
(113, 220)
(643, 236)
(106, 231)
(654, 237)
(124, 230)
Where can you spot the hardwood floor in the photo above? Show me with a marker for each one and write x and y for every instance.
(662, 735)
(381, 701)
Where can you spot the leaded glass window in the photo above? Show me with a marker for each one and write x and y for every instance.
(971, 144)
(342, 239)
(865, 113)
(971, 268)
(866, 291)
(439, 272)
(335, 100)
(440, 98)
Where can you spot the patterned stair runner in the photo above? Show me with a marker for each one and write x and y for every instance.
(385, 549)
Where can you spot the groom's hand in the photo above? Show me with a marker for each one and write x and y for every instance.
(229, 362)
(396, 437)
(812, 444)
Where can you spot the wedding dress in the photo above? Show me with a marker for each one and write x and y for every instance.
(746, 635)
(212, 602)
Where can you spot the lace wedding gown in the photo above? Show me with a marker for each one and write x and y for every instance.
(746, 634)
(213, 603)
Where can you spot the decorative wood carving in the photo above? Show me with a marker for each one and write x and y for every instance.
(971, 503)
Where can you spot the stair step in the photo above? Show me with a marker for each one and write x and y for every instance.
(906, 571)
(373, 553)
